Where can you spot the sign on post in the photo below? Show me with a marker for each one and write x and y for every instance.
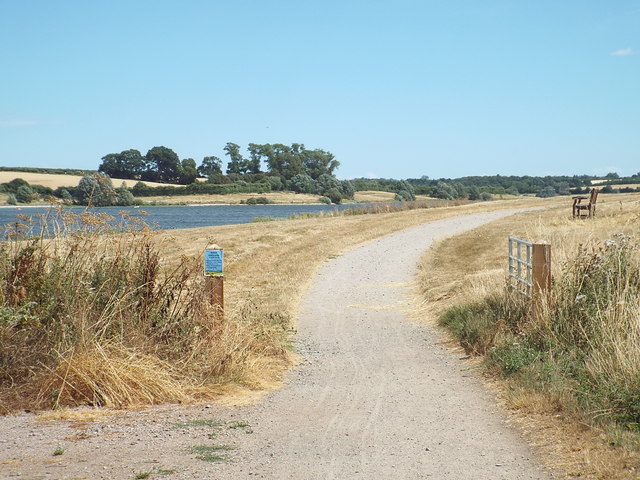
(214, 275)
(213, 261)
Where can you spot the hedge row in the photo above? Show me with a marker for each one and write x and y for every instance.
(51, 171)
(142, 190)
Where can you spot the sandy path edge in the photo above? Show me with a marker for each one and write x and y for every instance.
(376, 397)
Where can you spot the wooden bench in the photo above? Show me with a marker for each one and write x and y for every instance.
(585, 209)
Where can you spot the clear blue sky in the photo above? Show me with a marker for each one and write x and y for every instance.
(395, 89)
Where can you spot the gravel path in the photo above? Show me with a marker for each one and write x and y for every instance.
(375, 397)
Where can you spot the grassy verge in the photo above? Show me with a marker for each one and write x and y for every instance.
(576, 363)
(92, 317)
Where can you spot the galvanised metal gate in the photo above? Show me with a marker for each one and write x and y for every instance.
(521, 266)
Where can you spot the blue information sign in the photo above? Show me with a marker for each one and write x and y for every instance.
(213, 262)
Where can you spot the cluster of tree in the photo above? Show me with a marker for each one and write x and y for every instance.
(98, 191)
(19, 191)
(292, 167)
(500, 185)
(163, 164)
(615, 179)
(482, 188)
(326, 185)
(281, 160)
(160, 164)
(93, 189)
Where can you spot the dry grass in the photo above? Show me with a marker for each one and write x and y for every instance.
(469, 268)
(481, 253)
(378, 196)
(111, 376)
(373, 196)
(268, 266)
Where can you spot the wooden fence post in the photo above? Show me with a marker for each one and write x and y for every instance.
(541, 266)
(214, 284)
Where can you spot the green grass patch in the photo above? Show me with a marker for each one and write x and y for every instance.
(199, 423)
(581, 349)
(155, 471)
(238, 424)
(211, 453)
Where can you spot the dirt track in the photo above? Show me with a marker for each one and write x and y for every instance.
(376, 397)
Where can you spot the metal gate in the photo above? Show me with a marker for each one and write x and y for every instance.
(521, 265)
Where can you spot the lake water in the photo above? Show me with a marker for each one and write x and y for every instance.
(168, 217)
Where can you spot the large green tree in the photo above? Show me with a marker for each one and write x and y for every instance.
(318, 162)
(288, 161)
(96, 190)
(255, 158)
(210, 166)
(162, 165)
(126, 164)
(188, 171)
(303, 183)
(237, 163)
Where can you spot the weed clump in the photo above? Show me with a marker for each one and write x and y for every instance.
(581, 346)
(90, 314)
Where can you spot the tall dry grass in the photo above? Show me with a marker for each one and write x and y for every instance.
(92, 315)
(578, 356)
(118, 316)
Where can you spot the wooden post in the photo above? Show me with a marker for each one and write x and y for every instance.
(541, 266)
(214, 284)
(215, 287)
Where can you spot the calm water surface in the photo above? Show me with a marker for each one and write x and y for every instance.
(168, 217)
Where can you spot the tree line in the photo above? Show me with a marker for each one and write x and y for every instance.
(162, 164)
(265, 167)
(483, 187)
(293, 168)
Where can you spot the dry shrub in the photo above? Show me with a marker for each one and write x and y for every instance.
(92, 315)
(578, 357)
(248, 338)
(109, 376)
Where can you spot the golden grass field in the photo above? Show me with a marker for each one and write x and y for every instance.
(377, 196)
(468, 267)
(55, 181)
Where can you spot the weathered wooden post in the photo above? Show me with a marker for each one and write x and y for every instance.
(541, 276)
(541, 266)
(214, 283)
(530, 275)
